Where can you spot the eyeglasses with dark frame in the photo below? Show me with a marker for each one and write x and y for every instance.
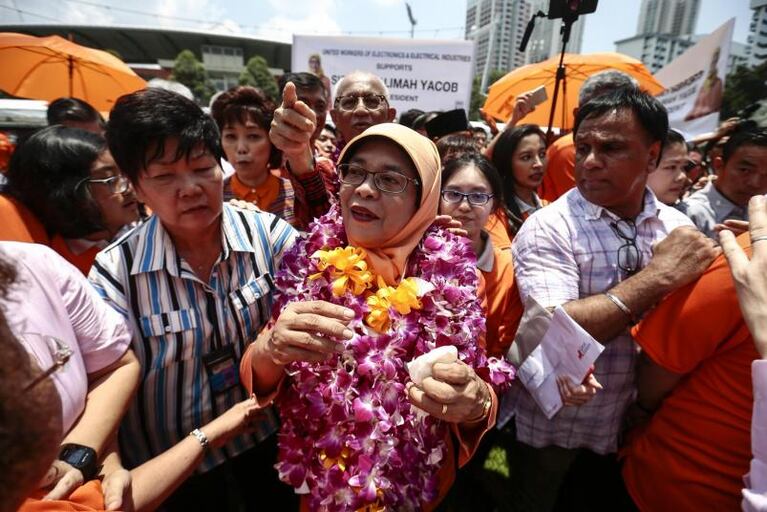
(60, 354)
(117, 184)
(390, 182)
(474, 198)
(629, 257)
(349, 102)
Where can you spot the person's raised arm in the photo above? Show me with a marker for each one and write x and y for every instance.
(750, 276)
(292, 129)
(523, 105)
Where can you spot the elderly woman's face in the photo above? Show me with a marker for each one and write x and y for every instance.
(185, 193)
(371, 217)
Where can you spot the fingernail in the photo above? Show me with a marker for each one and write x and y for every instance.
(349, 313)
(348, 334)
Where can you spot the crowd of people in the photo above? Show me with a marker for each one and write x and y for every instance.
(257, 306)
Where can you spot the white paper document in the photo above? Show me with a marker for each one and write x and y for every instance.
(565, 349)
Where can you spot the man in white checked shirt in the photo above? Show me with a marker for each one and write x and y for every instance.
(594, 251)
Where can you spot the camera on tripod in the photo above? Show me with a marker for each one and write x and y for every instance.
(570, 9)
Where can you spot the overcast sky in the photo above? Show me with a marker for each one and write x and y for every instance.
(277, 19)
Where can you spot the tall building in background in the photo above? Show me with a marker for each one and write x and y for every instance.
(757, 39)
(498, 26)
(664, 31)
(671, 17)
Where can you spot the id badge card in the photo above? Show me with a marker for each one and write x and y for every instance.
(222, 369)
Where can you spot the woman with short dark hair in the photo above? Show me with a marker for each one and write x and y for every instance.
(68, 181)
(243, 115)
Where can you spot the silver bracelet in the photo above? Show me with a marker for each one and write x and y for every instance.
(623, 307)
(200, 436)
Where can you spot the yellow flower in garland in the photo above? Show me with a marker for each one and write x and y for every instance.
(379, 304)
(403, 298)
(340, 461)
(348, 269)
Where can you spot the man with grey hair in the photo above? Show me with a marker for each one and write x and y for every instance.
(560, 171)
(361, 101)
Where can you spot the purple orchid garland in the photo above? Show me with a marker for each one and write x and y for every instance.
(349, 437)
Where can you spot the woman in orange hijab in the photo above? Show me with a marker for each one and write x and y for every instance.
(361, 296)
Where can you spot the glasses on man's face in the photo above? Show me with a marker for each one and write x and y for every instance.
(389, 182)
(59, 351)
(629, 257)
(117, 184)
(474, 198)
(349, 102)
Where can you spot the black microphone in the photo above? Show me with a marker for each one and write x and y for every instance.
(529, 30)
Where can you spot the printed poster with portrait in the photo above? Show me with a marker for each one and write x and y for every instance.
(695, 83)
(424, 74)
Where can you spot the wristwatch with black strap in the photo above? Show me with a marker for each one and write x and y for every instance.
(80, 457)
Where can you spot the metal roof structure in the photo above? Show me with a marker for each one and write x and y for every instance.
(148, 45)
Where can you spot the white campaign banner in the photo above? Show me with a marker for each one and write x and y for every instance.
(423, 74)
(695, 83)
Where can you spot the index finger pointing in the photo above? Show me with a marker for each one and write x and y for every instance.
(289, 96)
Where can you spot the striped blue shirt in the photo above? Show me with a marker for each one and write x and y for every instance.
(177, 319)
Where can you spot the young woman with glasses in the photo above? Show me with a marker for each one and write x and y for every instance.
(519, 155)
(69, 184)
(472, 190)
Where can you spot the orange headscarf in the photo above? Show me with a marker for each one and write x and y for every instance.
(389, 259)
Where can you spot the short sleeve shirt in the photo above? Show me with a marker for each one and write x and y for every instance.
(52, 298)
(696, 448)
(179, 322)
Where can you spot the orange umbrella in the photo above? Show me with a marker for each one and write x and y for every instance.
(47, 68)
(502, 94)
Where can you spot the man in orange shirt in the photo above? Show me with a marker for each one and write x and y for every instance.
(694, 377)
(560, 170)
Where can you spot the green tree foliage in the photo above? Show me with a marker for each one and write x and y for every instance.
(256, 73)
(744, 87)
(478, 97)
(191, 72)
